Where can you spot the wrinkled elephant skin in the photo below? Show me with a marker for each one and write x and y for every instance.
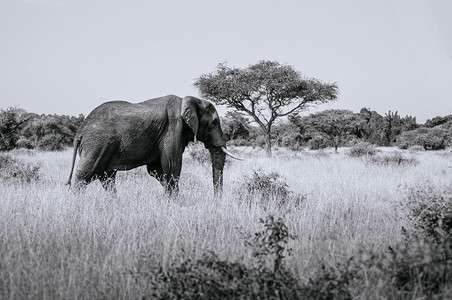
(119, 136)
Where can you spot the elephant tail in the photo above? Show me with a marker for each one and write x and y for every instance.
(74, 156)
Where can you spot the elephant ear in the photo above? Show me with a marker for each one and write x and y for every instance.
(189, 112)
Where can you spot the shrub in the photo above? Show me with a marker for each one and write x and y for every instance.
(430, 210)
(393, 159)
(362, 149)
(420, 267)
(212, 278)
(16, 170)
(51, 142)
(271, 243)
(318, 142)
(413, 269)
(24, 143)
(269, 187)
(428, 138)
(331, 282)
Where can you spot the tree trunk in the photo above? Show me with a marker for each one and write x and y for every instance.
(268, 144)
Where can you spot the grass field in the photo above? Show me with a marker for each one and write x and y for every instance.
(57, 244)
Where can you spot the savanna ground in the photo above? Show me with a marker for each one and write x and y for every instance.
(57, 244)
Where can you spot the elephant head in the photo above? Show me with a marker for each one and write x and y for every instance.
(203, 120)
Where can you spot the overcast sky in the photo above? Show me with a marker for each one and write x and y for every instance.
(68, 56)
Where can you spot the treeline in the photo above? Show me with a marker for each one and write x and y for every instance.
(328, 128)
(336, 128)
(21, 129)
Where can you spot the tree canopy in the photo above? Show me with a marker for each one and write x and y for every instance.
(265, 91)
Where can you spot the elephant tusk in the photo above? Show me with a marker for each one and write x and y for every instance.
(230, 154)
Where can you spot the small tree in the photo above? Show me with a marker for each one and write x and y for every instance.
(265, 91)
(11, 119)
(335, 124)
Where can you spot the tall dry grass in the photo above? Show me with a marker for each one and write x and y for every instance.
(55, 243)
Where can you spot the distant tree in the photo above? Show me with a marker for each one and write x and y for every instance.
(52, 132)
(429, 138)
(430, 123)
(235, 125)
(11, 119)
(409, 123)
(392, 127)
(336, 125)
(369, 126)
(287, 134)
(265, 91)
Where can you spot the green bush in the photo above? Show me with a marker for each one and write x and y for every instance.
(16, 170)
(362, 149)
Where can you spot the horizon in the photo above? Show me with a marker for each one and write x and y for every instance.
(68, 57)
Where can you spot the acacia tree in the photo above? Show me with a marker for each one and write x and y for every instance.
(335, 124)
(265, 91)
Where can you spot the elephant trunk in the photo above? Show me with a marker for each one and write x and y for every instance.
(218, 158)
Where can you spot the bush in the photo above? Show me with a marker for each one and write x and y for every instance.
(212, 278)
(331, 282)
(394, 159)
(428, 138)
(420, 267)
(16, 170)
(430, 210)
(271, 243)
(412, 269)
(24, 143)
(51, 142)
(318, 142)
(269, 187)
(362, 149)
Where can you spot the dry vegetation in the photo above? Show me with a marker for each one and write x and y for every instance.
(58, 244)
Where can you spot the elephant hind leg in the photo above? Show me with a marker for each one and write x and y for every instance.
(92, 165)
(108, 180)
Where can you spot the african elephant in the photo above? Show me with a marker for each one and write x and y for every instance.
(119, 136)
